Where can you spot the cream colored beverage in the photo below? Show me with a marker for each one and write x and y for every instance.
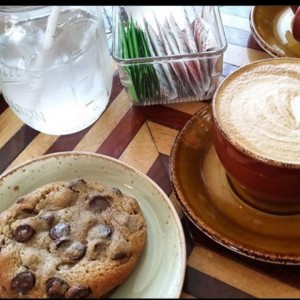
(259, 109)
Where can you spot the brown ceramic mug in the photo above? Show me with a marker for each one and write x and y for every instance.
(256, 132)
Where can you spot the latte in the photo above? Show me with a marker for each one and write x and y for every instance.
(258, 109)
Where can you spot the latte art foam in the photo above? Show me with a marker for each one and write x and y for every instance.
(259, 109)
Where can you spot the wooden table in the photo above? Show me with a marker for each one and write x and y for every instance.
(143, 138)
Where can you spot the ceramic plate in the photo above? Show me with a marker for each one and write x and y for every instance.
(161, 269)
(271, 27)
(203, 191)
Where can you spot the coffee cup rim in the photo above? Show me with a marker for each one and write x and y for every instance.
(256, 156)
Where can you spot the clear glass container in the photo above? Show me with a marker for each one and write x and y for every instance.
(55, 66)
(168, 54)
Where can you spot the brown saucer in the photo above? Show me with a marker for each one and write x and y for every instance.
(271, 27)
(207, 198)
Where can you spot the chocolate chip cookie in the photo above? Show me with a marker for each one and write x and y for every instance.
(75, 239)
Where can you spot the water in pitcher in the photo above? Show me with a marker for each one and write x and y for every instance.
(62, 88)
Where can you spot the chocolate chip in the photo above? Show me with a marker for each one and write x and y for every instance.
(100, 231)
(117, 191)
(56, 287)
(75, 251)
(26, 213)
(98, 203)
(23, 233)
(73, 184)
(98, 247)
(78, 292)
(20, 199)
(29, 211)
(47, 217)
(23, 282)
(59, 231)
(61, 240)
(119, 256)
(104, 230)
(77, 181)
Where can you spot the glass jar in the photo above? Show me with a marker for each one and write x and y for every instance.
(55, 66)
